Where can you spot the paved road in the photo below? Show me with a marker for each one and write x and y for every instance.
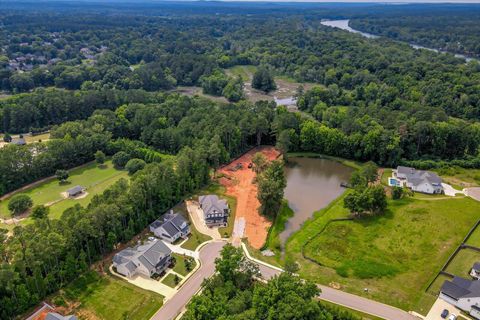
(363, 304)
(173, 307)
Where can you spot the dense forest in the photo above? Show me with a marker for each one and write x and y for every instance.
(453, 30)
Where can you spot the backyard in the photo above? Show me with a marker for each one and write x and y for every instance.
(92, 177)
(394, 256)
(95, 296)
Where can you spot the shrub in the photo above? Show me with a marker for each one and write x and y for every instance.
(19, 204)
(134, 165)
(120, 159)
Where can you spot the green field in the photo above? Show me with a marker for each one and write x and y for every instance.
(111, 299)
(91, 176)
(245, 72)
(180, 264)
(463, 262)
(169, 280)
(395, 256)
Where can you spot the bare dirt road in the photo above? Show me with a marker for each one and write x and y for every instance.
(239, 183)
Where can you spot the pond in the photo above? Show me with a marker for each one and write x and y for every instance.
(312, 183)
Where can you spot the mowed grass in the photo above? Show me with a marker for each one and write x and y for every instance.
(112, 299)
(169, 280)
(94, 178)
(463, 262)
(180, 266)
(395, 255)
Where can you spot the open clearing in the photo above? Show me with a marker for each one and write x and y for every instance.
(97, 296)
(92, 177)
(286, 87)
(239, 184)
(408, 246)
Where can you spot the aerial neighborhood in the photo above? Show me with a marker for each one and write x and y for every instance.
(245, 160)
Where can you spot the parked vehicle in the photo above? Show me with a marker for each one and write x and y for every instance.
(452, 317)
(444, 314)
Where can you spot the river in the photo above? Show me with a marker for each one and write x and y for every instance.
(312, 183)
(344, 25)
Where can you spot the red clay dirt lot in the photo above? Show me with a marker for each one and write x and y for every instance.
(239, 184)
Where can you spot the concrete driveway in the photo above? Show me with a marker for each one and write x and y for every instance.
(473, 192)
(439, 306)
(148, 284)
(450, 191)
(196, 215)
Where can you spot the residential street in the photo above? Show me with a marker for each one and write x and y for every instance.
(364, 305)
(173, 307)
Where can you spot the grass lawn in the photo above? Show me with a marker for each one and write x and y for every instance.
(395, 255)
(180, 264)
(474, 239)
(463, 262)
(273, 240)
(361, 315)
(169, 280)
(387, 173)
(109, 298)
(95, 179)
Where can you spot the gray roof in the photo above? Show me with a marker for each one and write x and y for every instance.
(171, 223)
(212, 204)
(461, 288)
(417, 177)
(150, 255)
(18, 141)
(56, 316)
(75, 190)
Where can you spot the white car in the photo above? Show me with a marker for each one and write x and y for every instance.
(452, 317)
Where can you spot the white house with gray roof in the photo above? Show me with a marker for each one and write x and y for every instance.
(147, 259)
(463, 294)
(215, 210)
(170, 227)
(418, 180)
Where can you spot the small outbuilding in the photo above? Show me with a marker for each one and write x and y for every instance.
(75, 191)
(18, 141)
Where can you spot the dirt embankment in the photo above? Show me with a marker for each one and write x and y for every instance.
(238, 180)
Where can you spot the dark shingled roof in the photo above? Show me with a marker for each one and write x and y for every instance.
(461, 288)
(171, 223)
(476, 266)
(75, 190)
